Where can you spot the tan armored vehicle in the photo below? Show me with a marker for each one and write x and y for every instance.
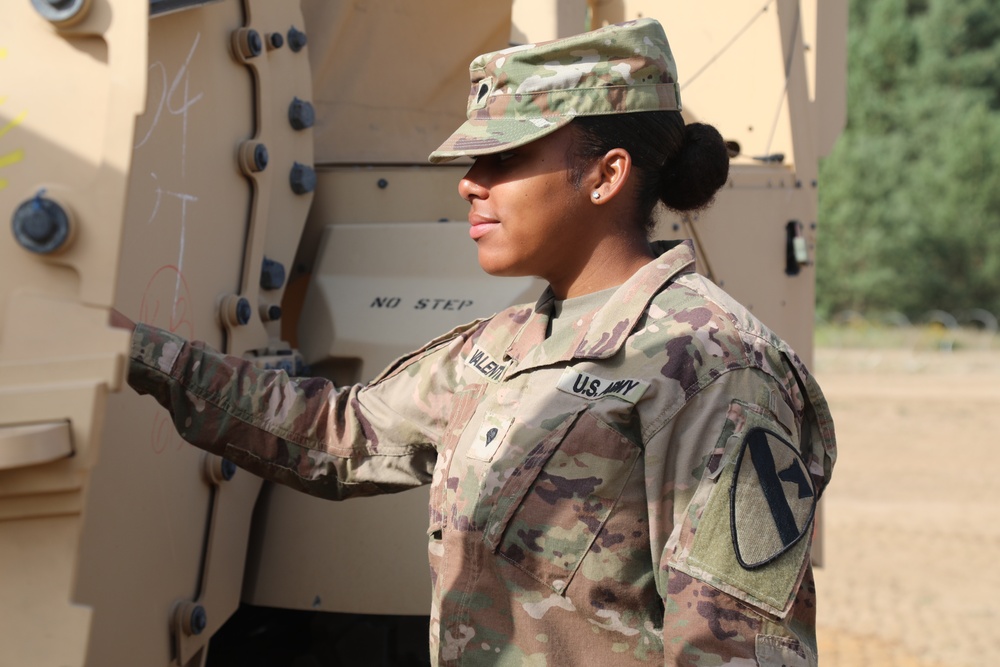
(252, 173)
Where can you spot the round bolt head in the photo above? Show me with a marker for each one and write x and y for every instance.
(301, 114)
(243, 311)
(255, 43)
(274, 313)
(382, 184)
(61, 11)
(228, 469)
(272, 274)
(296, 39)
(302, 179)
(277, 41)
(40, 225)
(198, 620)
(260, 157)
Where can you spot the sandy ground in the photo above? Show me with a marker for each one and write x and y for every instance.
(911, 522)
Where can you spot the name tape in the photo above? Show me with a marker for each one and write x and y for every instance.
(486, 365)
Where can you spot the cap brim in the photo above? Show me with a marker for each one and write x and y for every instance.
(484, 137)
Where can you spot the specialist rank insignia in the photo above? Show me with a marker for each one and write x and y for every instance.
(773, 498)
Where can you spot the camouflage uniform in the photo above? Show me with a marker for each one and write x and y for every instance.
(636, 488)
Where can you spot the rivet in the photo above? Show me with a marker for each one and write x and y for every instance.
(198, 620)
(272, 274)
(243, 311)
(191, 618)
(62, 12)
(247, 42)
(253, 157)
(270, 312)
(302, 179)
(296, 39)
(41, 225)
(228, 469)
(301, 114)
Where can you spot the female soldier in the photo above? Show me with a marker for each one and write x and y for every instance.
(624, 472)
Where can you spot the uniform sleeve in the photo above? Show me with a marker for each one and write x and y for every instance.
(304, 432)
(732, 498)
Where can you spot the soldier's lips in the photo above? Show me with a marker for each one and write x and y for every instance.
(481, 226)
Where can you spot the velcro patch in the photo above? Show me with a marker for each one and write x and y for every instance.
(489, 437)
(486, 365)
(772, 498)
(483, 91)
(591, 386)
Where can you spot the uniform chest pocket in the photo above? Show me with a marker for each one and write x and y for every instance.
(555, 503)
(463, 407)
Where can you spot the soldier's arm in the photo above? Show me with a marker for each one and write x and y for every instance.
(734, 584)
(303, 432)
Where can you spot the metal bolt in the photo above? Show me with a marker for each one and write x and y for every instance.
(276, 40)
(253, 157)
(197, 620)
(296, 39)
(217, 470)
(273, 313)
(247, 42)
(260, 157)
(272, 274)
(382, 184)
(302, 179)
(243, 311)
(62, 11)
(41, 225)
(301, 114)
(254, 43)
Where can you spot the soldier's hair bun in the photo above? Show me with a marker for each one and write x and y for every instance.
(683, 166)
(690, 180)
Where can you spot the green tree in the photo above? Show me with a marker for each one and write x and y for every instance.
(910, 196)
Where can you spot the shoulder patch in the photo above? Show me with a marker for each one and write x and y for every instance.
(770, 480)
(735, 544)
(590, 386)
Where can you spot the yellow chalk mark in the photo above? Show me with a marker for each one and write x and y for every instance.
(14, 123)
(11, 158)
(15, 156)
(7, 160)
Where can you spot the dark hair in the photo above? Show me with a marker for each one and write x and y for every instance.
(681, 165)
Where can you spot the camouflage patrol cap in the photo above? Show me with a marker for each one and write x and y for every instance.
(523, 93)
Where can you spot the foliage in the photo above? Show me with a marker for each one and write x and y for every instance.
(910, 196)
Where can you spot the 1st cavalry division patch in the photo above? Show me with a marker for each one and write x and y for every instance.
(772, 498)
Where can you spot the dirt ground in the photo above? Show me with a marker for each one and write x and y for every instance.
(911, 522)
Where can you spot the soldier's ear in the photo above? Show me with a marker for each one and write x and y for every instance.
(609, 175)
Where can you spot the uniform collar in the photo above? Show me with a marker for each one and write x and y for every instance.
(602, 332)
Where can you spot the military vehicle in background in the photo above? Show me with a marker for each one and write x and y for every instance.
(253, 174)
